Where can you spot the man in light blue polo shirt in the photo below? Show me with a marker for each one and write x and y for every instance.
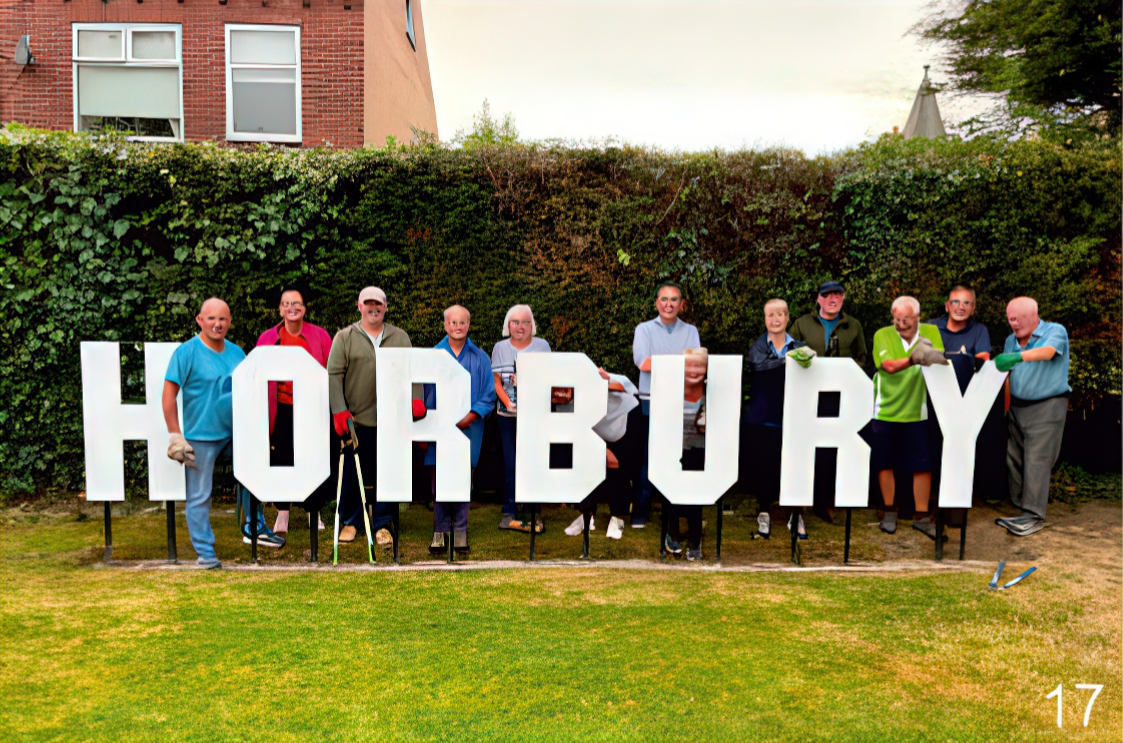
(201, 369)
(664, 335)
(1037, 356)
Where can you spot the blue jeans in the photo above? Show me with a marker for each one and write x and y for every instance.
(200, 479)
(507, 431)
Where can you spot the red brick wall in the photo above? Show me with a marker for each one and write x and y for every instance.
(41, 94)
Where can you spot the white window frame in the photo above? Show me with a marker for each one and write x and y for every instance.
(127, 60)
(231, 135)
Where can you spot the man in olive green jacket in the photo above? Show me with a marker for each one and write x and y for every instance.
(831, 333)
(352, 396)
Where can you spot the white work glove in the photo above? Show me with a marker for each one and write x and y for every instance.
(180, 450)
(926, 355)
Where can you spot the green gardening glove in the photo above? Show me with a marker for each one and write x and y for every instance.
(802, 356)
(1004, 362)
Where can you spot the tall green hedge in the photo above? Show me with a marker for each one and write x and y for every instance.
(102, 239)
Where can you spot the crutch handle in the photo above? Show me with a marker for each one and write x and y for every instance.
(352, 439)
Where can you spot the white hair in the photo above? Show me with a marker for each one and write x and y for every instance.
(906, 301)
(519, 308)
(457, 307)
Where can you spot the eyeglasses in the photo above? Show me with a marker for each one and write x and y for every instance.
(372, 303)
(286, 305)
(519, 322)
(958, 302)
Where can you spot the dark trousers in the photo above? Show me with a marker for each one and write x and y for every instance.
(281, 454)
(990, 453)
(447, 516)
(615, 489)
(692, 459)
(507, 430)
(350, 505)
(640, 421)
(762, 474)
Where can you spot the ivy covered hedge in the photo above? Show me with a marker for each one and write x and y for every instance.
(102, 239)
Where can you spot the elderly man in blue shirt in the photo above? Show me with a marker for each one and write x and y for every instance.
(1037, 356)
(453, 517)
(663, 335)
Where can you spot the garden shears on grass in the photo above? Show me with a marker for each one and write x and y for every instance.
(998, 574)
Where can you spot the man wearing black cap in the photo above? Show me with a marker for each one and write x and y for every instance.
(831, 333)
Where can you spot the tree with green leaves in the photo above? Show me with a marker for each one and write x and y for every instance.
(488, 131)
(1049, 61)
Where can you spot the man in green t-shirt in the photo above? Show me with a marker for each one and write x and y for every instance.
(900, 417)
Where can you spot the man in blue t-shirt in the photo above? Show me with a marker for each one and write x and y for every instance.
(201, 369)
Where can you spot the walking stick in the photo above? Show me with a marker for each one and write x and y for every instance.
(338, 495)
(354, 442)
(362, 487)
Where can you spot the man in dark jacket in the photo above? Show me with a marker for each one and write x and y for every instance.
(830, 332)
(967, 345)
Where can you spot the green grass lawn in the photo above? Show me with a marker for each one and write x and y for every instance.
(94, 653)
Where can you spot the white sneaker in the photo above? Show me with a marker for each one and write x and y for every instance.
(615, 528)
(764, 524)
(282, 525)
(578, 526)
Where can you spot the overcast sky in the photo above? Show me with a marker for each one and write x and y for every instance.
(819, 75)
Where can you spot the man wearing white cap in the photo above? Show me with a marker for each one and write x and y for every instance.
(352, 396)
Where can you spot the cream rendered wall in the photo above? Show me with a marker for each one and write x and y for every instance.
(398, 92)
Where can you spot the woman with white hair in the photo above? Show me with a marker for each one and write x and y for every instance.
(519, 333)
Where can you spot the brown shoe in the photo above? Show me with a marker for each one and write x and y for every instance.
(347, 534)
(383, 539)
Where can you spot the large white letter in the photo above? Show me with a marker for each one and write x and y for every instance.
(535, 482)
(108, 423)
(311, 417)
(723, 423)
(804, 431)
(961, 418)
(398, 370)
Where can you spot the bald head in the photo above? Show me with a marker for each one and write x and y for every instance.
(457, 321)
(1021, 313)
(214, 320)
(214, 304)
(458, 311)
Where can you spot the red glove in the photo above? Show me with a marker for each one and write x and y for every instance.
(418, 409)
(339, 420)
